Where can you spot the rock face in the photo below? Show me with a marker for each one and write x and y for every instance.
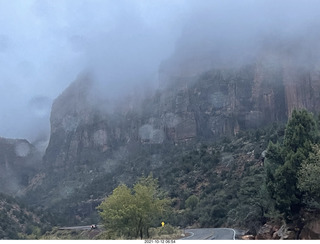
(308, 229)
(86, 142)
(212, 105)
(207, 103)
(265, 232)
(311, 228)
(202, 94)
(19, 162)
(272, 231)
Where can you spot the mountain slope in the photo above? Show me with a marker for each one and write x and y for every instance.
(18, 222)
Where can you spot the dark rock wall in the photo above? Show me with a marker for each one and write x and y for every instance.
(212, 105)
(19, 162)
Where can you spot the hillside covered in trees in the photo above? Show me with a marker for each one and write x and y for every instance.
(18, 221)
(265, 176)
(276, 185)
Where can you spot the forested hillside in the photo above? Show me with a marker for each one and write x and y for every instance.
(18, 221)
(230, 183)
(237, 183)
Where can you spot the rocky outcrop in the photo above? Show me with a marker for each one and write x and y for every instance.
(306, 226)
(266, 232)
(273, 231)
(311, 228)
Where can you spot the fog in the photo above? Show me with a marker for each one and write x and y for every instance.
(235, 33)
(44, 45)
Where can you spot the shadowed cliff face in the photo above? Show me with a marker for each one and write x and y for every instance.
(199, 103)
(19, 162)
(210, 105)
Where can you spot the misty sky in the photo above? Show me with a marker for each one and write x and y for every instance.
(45, 44)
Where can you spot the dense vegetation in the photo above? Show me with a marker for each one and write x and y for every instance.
(210, 184)
(308, 178)
(243, 181)
(17, 221)
(232, 183)
(292, 165)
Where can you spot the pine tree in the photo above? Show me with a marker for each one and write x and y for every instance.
(284, 161)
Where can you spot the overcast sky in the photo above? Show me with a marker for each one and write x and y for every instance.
(45, 44)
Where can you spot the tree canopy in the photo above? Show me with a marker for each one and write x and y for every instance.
(284, 161)
(131, 212)
(308, 175)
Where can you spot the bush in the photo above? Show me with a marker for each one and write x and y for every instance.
(166, 232)
(167, 229)
(192, 202)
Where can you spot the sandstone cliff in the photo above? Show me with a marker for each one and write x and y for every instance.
(214, 104)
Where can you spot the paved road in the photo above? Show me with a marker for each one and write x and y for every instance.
(210, 234)
(195, 234)
(85, 227)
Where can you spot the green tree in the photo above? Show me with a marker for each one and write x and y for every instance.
(192, 202)
(284, 161)
(117, 210)
(308, 175)
(131, 212)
